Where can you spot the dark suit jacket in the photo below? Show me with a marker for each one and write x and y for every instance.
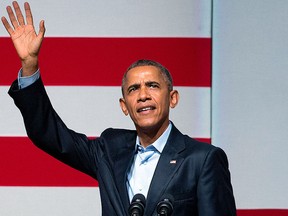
(198, 177)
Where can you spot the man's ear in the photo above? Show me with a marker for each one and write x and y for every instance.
(174, 98)
(123, 106)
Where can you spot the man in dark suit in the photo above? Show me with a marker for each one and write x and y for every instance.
(156, 159)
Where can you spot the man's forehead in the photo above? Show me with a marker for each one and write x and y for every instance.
(143, 73)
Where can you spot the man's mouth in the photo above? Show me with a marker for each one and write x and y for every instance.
(143, 109)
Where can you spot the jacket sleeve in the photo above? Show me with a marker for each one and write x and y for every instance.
(48, 132)
(214, 190)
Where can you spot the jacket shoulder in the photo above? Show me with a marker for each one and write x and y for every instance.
(111, 133)
(118, 138)
(202, 147)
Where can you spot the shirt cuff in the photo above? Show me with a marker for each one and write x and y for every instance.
(27, 80)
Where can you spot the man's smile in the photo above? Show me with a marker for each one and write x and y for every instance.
(146, 108)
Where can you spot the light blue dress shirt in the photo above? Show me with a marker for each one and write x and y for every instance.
(144, 165)
(26, 81)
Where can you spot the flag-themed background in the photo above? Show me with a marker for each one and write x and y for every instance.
(87, 48)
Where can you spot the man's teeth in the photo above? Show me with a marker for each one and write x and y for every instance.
(145, 109)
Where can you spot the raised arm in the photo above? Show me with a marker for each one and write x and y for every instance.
(22, 32)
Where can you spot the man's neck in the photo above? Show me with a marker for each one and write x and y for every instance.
(150, 135)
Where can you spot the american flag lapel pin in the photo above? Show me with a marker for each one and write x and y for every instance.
(173, 162)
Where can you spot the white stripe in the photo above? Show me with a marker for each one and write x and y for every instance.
(125, 18)
(50, 201)
(90, 110)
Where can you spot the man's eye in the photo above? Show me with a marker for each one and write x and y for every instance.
(153, 86)
(131, 89)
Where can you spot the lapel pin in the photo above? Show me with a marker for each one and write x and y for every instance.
(173, 162)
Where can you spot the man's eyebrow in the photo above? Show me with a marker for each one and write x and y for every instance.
(135, 85)
(147, 83)
(151, 82)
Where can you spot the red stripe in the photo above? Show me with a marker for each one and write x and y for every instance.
(206, 140)
(262, 212)
(23, 164)
(102, 61)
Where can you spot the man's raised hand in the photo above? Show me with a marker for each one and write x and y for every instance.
(26, 42)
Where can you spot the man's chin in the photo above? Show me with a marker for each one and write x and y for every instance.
(146, 125)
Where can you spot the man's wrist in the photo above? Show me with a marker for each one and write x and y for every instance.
(29, 67)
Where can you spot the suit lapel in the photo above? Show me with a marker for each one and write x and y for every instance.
(122, 163)
(169, 162)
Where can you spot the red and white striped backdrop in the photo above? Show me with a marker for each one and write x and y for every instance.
(92, 102)
(87, 48)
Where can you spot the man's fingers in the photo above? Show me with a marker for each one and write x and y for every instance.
(41, 29)
(19, 14)
(29, 17)
(12, 17)
(20, 19)
(7, 25)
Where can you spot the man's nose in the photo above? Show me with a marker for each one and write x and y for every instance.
(143, 94)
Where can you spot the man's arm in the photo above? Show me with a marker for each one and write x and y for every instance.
(26, 42)
(44, 127)
(214, 190)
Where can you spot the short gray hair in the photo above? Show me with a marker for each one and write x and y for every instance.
(146, 62)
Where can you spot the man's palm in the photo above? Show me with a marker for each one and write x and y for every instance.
(26, 42)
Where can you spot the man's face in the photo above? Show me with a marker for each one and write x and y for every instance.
(146, 98)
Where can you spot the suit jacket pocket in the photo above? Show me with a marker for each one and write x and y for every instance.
(185, 204)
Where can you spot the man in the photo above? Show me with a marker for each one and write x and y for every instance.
(156, 160)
